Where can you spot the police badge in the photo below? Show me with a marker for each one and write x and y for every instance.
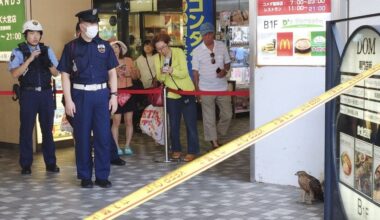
(101, 48)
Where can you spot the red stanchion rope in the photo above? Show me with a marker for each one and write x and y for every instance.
(158, 91)
(6, 93)
(218, 93)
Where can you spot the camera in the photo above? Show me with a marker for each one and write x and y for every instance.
(165, 68)
(218, 70)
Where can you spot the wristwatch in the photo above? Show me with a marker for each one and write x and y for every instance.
(114, 93)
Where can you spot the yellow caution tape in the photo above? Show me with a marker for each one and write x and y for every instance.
(218, 155)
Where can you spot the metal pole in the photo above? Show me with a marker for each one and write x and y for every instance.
(167, 159)
(166, 128)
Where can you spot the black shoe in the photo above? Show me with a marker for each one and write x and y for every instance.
(26, 171)
(86, 183)
(103, 183)
(52, 168)
(118, 162)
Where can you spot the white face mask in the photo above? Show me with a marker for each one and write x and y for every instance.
(92, 31)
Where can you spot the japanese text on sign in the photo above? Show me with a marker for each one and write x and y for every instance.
(277, 7)
(197, 13)
(12, 16)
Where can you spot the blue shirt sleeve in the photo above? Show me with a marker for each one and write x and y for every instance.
(16, 59)
(112, 61)
(52, 57)
(64, 63)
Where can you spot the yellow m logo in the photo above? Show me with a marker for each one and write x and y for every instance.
(285, 44)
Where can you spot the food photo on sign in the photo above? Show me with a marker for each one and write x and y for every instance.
(346, 174)
(363, 167)
(376, 175)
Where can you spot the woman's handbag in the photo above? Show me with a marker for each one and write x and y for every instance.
(157, 99)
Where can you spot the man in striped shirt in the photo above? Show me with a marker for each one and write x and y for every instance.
(211, 63)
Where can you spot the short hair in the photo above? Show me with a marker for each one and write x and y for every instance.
(161, 37)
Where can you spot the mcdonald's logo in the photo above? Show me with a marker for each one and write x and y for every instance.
(285, 44)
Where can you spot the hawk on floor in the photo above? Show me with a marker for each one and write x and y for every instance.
(310, 186)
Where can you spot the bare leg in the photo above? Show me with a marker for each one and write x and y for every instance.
(128, 121)
(115, 127)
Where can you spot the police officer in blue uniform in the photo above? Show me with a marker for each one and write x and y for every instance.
(33, 63)
(87, 64)
(115, 158)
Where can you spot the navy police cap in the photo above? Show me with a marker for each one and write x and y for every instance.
(90, 15)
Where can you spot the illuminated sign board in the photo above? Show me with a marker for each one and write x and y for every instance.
(302, 22)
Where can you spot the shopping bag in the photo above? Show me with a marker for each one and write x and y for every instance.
(152, 123)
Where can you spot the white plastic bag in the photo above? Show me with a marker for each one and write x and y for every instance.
(152, 123)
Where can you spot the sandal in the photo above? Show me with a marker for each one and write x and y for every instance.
(189, 157)
(176, 155)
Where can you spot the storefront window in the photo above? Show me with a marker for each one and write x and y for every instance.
(107, 26)
(171, 23)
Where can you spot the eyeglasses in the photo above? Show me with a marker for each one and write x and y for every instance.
(161, 48)
(212, 55)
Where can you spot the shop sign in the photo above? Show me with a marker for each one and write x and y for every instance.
(358, 130)
(12, 17)
(292, 32)
(196, 13)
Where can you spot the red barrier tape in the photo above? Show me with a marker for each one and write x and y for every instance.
(158, 91)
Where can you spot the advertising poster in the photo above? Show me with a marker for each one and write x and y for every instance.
(376, 174)
(346, 174)
(12, 17)
(61, 127)
(363, 167)
(292, 32)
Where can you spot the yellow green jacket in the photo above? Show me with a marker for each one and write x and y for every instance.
(180, 72)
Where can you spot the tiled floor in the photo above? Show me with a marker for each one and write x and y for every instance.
(222, 192)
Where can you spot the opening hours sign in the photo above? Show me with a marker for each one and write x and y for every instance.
(12, 17)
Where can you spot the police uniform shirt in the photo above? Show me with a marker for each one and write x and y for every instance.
(91, 61)
(17, 58)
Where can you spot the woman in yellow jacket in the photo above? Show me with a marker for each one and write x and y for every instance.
(171, 69)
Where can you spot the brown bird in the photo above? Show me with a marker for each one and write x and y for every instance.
(310, 186)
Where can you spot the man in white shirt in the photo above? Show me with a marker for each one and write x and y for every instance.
(211, 63)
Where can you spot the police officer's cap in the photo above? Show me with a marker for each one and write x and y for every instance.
(90, 15)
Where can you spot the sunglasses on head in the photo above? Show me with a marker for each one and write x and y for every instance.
(212, 55)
